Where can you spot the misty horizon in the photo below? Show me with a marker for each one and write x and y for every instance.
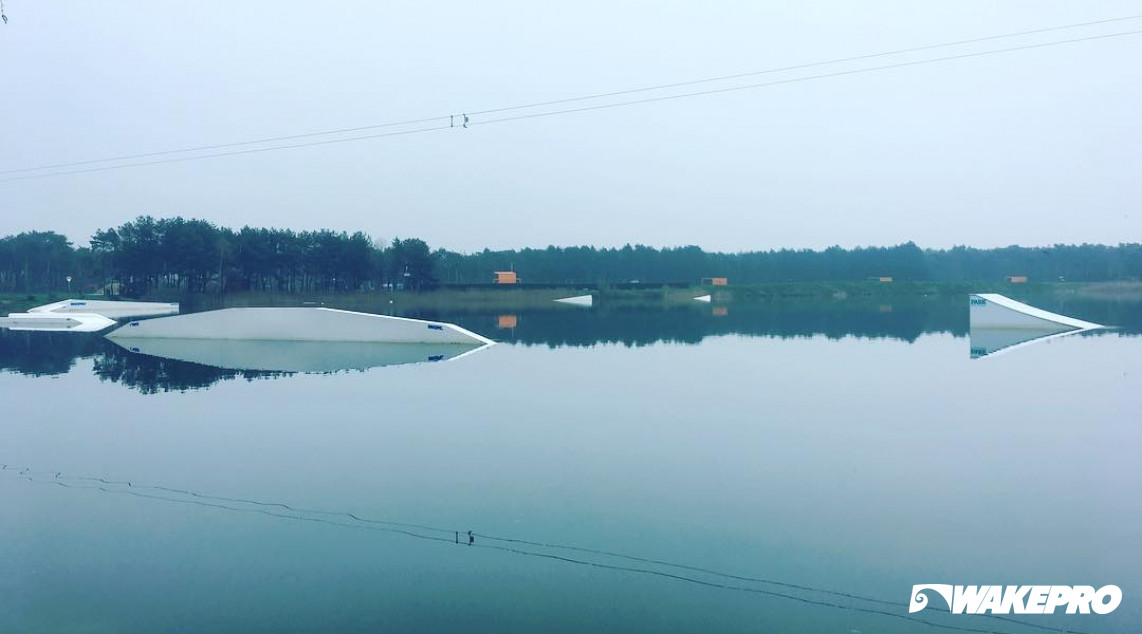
(1029, 147)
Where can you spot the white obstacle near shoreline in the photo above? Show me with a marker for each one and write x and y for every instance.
(704, 299)
(109, 309)
(298, 324)
(580, 300)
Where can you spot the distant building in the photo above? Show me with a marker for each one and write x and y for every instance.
(715, 281)
(881, 279)
(1016, 279)
(506, 277)
(507, 321)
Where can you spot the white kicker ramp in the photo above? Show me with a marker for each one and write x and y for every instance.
(298, 324)
(1001, 324)
(989, 310)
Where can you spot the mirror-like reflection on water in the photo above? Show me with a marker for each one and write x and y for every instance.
(766, 469)
(164, 365)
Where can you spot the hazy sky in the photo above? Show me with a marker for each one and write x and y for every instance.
(1030, 147)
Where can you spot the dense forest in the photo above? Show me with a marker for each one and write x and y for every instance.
(177, 254)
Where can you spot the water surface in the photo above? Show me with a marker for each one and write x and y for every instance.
(850, 448)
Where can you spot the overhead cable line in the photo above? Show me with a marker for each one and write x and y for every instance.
(838, 60)
(234, 153)
(218, 146)
(466, 124)
(794, 80)
(828, 62)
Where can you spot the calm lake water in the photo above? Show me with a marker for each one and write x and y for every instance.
(782, 453)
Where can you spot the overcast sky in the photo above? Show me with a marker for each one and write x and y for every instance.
(1031, 147)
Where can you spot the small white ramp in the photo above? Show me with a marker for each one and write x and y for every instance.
(580, 300)
(706, 299)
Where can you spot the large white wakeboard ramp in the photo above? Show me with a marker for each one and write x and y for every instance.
(990, 310)
(299, 324)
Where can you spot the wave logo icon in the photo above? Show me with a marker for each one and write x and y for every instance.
(920, 600)
(1018, 599)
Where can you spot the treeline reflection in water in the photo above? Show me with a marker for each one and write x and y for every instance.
(48, 354)
(55, 353)
(905, 320)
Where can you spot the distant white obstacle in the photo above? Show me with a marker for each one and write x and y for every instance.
(989, 310)
(704, 298)
(110, 309)
(295, 356)
(51, 322)
(1001, 324)
(298, 324)
(581, 300)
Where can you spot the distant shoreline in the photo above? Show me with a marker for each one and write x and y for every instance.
(523, 297)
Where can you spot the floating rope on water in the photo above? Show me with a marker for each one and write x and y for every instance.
(279, 510)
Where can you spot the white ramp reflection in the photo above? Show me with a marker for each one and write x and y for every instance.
(294, 356)
(992, 341)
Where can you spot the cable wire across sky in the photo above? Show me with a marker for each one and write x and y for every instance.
(473, 118)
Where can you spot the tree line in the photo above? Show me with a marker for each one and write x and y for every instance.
(175, 254)
(188, 255)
